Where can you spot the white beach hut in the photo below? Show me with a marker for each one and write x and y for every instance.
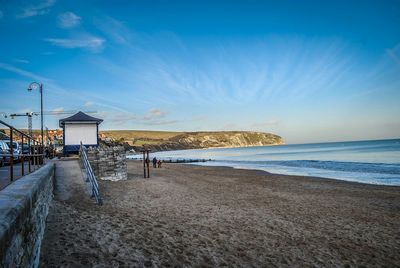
(79, 128)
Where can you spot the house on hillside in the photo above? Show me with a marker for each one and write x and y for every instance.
(79, 128)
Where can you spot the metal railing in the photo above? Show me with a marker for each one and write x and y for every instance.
(90, 177)
(35, 155)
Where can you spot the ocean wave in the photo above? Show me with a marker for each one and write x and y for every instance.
(372, 173)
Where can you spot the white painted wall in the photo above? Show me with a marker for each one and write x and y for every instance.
(75, 133)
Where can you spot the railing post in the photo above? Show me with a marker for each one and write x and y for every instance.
(11, 156)
(34, 155)
(148, 164)
(23, 156)
(144, 164)
(29, 153)
(42, 155)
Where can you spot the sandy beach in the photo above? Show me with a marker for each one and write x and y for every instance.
(193, 216)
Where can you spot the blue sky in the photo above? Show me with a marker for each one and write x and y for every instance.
(309, 71)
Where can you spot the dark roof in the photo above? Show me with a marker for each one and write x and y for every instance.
(80, 117)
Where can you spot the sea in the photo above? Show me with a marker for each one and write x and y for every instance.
(373, 162)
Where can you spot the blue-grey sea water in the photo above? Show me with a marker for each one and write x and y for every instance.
(374, 162)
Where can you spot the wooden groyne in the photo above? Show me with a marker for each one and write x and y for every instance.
(175, 160)
(185, 160)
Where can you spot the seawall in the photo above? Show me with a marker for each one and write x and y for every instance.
(24, 207)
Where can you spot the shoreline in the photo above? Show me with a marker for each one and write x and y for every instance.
(305, 176)
(271, 173)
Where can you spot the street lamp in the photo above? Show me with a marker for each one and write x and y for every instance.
(33, 86)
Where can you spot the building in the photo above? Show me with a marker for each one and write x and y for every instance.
(79, 128)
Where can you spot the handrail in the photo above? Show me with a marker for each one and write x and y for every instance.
(16, 130)
(90, 175)
(35, 153)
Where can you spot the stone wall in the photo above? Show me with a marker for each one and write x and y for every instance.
(108, 162)
(23, 210)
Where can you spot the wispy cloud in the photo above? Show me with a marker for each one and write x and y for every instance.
(66, 93)
(21, 61)
(227, 74)
(40, 8)
(160, 122)
(154, 114)
(108, 106)
(154, 117)
(22, 72)
(88, 42)
(118, 118)
(394, 53)
(68, 20)
(113, 29)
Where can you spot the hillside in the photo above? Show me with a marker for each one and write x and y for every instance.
(163, 140)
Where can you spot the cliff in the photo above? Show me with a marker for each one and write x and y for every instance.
(164, 141)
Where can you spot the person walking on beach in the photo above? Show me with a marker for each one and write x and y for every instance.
(159, 163)
(154, 162)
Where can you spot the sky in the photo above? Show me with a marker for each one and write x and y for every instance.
(309, 71)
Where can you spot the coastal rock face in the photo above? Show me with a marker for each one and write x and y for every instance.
(226, 139)
(200, 140)
(166, 140)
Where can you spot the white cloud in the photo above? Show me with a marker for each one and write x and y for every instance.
(91, 43)
(68, 20)
(154, 114)
(58, 110)
(89, 103)
(39, 9)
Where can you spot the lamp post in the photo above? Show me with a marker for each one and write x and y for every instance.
(36, 85)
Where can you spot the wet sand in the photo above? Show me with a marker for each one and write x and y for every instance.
(193, 216)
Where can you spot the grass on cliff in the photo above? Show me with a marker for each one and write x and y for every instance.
(140, 137)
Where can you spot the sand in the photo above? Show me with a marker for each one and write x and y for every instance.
(193, 216)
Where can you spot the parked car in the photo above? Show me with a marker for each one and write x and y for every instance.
(16, 149)
(2, 157)
(4, 146)
(5, 152)
(25, 148)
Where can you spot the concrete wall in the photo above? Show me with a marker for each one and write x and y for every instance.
(23, 210)
(108, 162)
